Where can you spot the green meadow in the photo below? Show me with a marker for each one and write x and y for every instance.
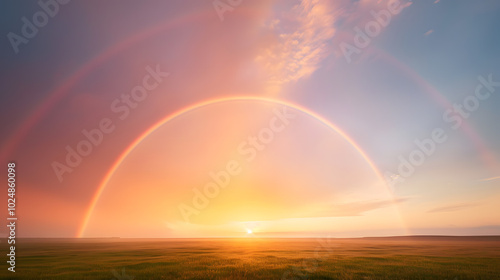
(255, 258)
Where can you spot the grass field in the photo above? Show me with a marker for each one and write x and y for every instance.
(253, 258)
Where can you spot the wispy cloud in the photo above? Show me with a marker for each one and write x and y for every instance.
(301, 43)
(489, 179)
(306, 34)
(428, 32)
(451, 208)
(358, 208)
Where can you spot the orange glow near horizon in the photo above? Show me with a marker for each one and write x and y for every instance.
(183, 111)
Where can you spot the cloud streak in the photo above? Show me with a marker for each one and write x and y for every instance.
(489, 179)
(358, 208)
(452, 208)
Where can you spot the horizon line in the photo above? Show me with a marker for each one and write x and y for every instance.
(262, 237)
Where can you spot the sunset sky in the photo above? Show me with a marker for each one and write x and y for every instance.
(279, 118)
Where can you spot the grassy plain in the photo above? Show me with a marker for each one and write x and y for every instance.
(254, 258)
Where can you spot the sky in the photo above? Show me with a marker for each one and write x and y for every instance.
(182, 119)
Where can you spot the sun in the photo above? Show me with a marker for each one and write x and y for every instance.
(249, 231)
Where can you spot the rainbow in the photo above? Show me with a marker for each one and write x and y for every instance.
(154, 127)
(485, 153)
